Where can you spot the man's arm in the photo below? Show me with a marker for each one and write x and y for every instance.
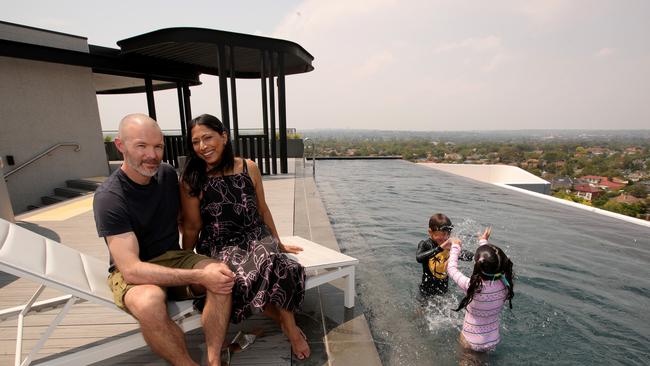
(124, 250)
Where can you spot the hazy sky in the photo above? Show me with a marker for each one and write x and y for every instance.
(407, 65)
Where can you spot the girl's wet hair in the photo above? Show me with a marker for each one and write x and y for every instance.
(195, 174)
(490, 263)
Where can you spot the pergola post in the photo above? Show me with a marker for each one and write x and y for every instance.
(181, 108)
(223, 87)
(274, 155)
(265, 112)
(233, 99)
(188, 105)
(151, 104)
(282, 115)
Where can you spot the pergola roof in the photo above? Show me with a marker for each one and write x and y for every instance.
(198, 49)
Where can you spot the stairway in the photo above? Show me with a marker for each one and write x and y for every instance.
(74, 188)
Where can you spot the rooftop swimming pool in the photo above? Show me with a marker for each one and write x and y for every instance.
(582, 280)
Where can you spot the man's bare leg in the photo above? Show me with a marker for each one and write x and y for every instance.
(215, 319)
(148, 304)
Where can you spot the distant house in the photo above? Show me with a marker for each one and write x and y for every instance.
(593, 179)
(597, 151)
(453, 157)
(530, 163)
(603, 182)
(558, 183)
(632, 150)
(635, 176)
(626, 198)
(587, 191)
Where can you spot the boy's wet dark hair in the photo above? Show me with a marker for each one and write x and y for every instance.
(490, 263)
(440, 222)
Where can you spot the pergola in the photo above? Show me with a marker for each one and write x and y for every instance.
(174, 58)
(229, 56)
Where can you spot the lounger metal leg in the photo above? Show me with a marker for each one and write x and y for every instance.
(21, 319)
(348, 293)
(49, 330)
(18, 361)
(37, 306)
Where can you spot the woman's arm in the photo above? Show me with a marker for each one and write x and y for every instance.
(452, 267)
(191, 217)
(263, 208)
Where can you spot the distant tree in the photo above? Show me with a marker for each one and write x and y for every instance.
(553, 156)
(569, 197)
(633, 210)
(637, 190)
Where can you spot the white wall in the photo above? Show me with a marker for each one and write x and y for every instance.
(496, 174)
(42, 104)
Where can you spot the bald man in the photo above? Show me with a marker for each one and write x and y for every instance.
(136, 211)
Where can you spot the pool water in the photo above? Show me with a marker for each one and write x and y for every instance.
(582, 280)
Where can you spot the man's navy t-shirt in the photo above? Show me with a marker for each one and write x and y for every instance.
(150, 211)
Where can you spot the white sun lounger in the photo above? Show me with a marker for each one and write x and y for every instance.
(31, 256)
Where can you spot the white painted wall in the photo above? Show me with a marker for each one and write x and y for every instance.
(42, 104)
(496, 174)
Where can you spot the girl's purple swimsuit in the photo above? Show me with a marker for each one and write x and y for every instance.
(482, 315)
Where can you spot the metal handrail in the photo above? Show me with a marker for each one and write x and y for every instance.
(46, 152)
(313, 154)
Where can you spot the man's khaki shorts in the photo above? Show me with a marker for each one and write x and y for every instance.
(183, 259)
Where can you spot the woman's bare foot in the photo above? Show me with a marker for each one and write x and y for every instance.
(298, 340)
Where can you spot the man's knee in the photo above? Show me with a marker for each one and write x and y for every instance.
(146, 301)
(206, 262)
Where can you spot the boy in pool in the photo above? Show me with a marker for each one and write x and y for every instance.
(433, 253)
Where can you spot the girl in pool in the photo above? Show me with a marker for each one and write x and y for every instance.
(486, 292)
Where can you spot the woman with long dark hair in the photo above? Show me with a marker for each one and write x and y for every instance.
(225, 216)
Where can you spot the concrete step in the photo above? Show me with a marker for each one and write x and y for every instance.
(71, 192)
(50, 200)
(88, 184)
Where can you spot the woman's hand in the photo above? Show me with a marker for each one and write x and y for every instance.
(293, 249)
(486, 233)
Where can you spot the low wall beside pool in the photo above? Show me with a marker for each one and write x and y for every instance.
(496, 174)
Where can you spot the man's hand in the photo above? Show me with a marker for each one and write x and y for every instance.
(217, 278)
(486, 233)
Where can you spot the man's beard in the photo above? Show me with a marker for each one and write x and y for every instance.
(138, 166)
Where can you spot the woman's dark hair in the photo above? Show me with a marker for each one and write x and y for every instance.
(195, 174)
(490, 262)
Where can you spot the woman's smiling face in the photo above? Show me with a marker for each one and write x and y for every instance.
(208, 144)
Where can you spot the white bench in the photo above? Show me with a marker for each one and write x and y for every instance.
(31, 256)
